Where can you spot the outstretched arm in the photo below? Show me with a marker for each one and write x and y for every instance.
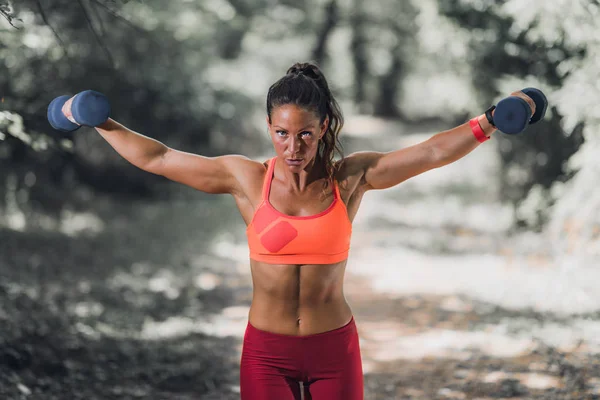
(384, 170)
(208, 174)
(225, 174)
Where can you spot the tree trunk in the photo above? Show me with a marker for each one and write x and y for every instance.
(358, 48)
(331, 19)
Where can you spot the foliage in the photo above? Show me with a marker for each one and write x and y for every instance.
(187, 73)
(7, 12)
(193, 74)
(154, 80)
(506, 51)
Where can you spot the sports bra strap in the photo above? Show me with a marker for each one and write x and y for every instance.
(336, 190)
(268, 179)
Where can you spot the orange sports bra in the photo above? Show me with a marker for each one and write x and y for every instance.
(277, 238)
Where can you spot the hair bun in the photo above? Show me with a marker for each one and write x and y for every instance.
(307, 69)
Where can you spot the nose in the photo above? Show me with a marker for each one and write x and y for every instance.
(295, 144)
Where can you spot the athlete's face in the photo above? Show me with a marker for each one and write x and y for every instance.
(295, 133)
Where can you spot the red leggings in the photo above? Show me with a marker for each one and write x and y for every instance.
(328, 364)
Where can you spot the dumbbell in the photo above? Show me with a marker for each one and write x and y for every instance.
(513, 114)
(89, 108)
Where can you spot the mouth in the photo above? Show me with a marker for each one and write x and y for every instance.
(294, 161)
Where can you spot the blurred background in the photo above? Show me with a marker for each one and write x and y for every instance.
(476, 280)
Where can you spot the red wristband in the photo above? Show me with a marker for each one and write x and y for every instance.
(477, 131)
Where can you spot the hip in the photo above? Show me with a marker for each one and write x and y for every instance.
(299, 321)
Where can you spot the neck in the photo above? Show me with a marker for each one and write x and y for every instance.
(299, 181)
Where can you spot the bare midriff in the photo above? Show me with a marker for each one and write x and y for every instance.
(298, 300)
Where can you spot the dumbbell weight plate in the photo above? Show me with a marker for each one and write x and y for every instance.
(541, 103)
(512, 115)
(90, 108)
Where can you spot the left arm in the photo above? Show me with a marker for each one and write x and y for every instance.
(384, 170)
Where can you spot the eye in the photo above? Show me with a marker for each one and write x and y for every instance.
(306, 134)
(280, 133)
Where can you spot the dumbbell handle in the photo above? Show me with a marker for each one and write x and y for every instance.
(66, 110)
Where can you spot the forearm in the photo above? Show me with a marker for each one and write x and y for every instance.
(136, 148)
(456, 143)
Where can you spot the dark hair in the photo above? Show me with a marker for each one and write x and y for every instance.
(305, 85)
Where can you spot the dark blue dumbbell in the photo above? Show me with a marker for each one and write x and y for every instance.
(513, 114)
(89, 108)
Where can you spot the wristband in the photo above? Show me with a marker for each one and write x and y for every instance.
(488, 115)
(477, 131)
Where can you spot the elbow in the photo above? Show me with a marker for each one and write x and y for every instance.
(162, 153)
(440, 160)
(438, 157)
(155, 162)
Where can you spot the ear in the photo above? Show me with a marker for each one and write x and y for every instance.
(268, 122)
(324, 127)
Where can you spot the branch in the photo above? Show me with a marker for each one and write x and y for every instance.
(98, 18)
(6, 12)
(96, 35)
(116, 15)
(45, 19)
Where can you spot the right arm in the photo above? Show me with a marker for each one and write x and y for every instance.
(207, 174)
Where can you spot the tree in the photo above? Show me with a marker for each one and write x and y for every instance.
(331, 19)
(152, 79)
(504, 46)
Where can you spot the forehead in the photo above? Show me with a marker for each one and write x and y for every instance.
(291, 115)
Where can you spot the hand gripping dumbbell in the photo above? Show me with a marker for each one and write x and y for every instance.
(513, 114)
(88, 108)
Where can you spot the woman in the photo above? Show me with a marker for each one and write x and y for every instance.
(299, 207)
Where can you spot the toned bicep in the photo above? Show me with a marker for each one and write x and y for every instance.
(385, 170)
(207, 174)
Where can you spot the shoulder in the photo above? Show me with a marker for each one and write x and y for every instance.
(236, 162)
(351, 170)
(356, 164)
(350, 173)
(246, 171)
(239, 164)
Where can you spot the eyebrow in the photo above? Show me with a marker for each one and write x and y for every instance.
(303, 129)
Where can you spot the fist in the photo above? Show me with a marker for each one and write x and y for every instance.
(528, 99)
(66, 110)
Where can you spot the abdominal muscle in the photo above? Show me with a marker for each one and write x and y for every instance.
(298, 300)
